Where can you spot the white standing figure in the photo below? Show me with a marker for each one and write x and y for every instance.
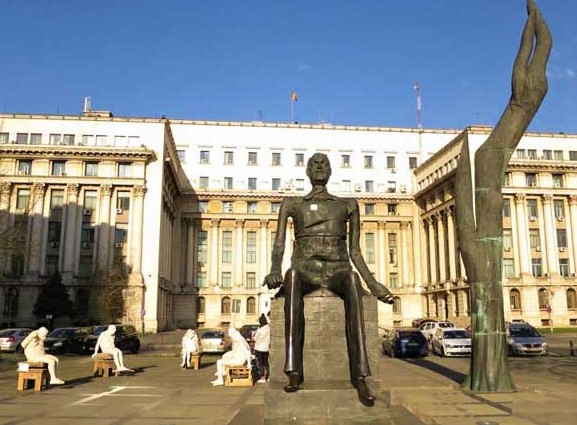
(238, 356)
(34, 351)
(190, 346)
(105, 343)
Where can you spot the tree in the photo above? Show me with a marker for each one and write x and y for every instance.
(106, 295)
(479, 218)
(53, 299)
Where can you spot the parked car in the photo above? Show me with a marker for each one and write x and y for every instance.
(215, 341)
(65, 340)
(451, 342)
(248, 331)
(126, 338)
(429, 328)
(10, 339)
(404, 342)
(418, 322)
(523, 339)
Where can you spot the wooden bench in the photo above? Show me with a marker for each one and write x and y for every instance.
(195, 361)
(105, 363)
(237, 376)
(36, 372)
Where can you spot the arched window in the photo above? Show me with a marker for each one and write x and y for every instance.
(515, 299)
(543, 299)
(225, 305)
(201, 305)
(396, 305)
(251, 305)
(571, 299)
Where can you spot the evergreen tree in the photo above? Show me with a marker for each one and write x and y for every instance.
(53, 299)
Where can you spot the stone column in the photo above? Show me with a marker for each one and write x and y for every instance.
(382, 250)
(441, 243)
(404, 278)
(432, 253)
(36, 236)
(138, 193)
(71, 231)
(5, 190)
(550, 236)
(416, 239)
(523, 249)
(190, 257)
(264, 252)
(573, 223)
(238, 278)
(213, 248)
(104, 224)
(451, 242)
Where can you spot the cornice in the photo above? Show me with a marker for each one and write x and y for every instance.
(75, 152)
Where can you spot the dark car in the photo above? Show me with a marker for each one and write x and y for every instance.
(65, 340)
(126, 338)
(405, 342)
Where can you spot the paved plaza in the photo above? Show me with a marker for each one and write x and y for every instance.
(160, 393)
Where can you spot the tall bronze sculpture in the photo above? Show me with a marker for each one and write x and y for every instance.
(320, 261)
(479, 219)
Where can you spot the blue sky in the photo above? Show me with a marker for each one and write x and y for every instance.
(351, 62)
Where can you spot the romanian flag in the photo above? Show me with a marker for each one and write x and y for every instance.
(294, 96)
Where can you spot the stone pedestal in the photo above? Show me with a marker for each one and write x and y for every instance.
(326, 396)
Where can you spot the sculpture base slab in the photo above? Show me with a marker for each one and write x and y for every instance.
(322, 403)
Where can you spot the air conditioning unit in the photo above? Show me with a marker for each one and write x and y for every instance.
(86, 245)
(118, 210)
(288, 186)
(538, 249)
(54, 244)
(22, 173)
(562, 248)
(403, 188)
(393, 170)
(62, 174)
(87, 211)
(532, 218)
(358, 188)
(118, 245)
(560, 218)
(557, 185)
(507, 249)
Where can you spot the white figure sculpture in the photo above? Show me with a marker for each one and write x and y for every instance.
(190, 346)
(34, 351)
(238, 356)
(105, 343)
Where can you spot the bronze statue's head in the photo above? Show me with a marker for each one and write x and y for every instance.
(319, 169)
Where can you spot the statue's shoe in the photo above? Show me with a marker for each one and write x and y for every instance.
(294, 383)
(56, 381)
(217, 382)
(365, 394)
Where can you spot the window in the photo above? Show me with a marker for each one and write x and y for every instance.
(17, 264)
(36, 139)
(274, 207)
(300, 184)
(251, 280)
(507, 181)
(345, 161)
(370, 248)
(531, 179)
(558, 155)
(226, 280)
(369, 186)
(275, 160)
(102, 140)
(4, 138)
(561, 238)
(22, 138)
(391, 187)
(226, 246)
(275, 184)
(91, 169)
(252, 158)
(202, 247)
(572, 155)
(543, 297)
(299, 159)
(54, 232)
(225, 305)
(51, 265)
(368, 161)
(534, 239)
(204, 157)
(203, 182)
(55, 139)
(228, 183)
(346, 186)
(391, 163)
(90, 198)
(56, 198)
(532, 209)
(507, 239)
(181, 155)
(521, 153)
(24, 167)
(251, 247)
(58, 168)
(87, 140)
(392, 238)
(122, 141)
(369, 209)
(228, 158)
(571, 299)
(23, 199)
(227, 206)
(506, 208)
(85, 265)
(252, 183)
(396, 305)
(123, 200)
(557, 180)
(203, 206)
(515, 299)
(508, 267)
(547, 154)
(392, 209)
(251, 305)
(251, 207)
(236, 306)
(125, 169)
(87, 234)
(532, 153)
(564, 267)
(412, 162)
(69, 139)
(536, 267)
(559, 209)
(201, 305)
(394, 280)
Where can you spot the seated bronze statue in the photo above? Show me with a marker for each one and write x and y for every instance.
(320, 260)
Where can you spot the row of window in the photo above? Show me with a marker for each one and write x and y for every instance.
(536, 267)
(299, 159)
(543, 295)
(58, 168)
(251, 207)
(532, 209)
(531, 180)
(546, 154)
(89, 204)
(71, 140)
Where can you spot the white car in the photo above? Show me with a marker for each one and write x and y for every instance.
(451, 342)
(429, 328)
(10, 339)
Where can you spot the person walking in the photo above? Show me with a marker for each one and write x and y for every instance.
(261, 347)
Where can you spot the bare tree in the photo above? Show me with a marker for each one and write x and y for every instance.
(479, 216)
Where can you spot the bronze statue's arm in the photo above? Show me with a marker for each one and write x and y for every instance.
(376, 288)
(274, 278)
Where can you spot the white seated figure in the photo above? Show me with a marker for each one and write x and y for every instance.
(238, 356)
(34, 351)
(105, 343)
(190, 346)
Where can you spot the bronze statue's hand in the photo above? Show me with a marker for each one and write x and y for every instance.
(381, 292)
(273, 280)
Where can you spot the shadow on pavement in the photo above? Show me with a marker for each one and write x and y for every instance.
(453, 375)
